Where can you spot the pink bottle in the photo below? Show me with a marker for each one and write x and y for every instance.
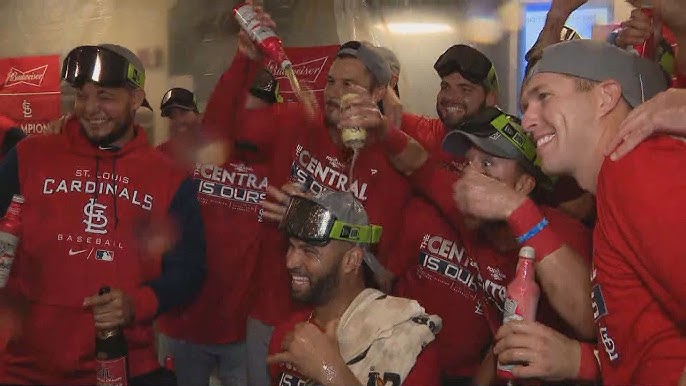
(522, 298)
(263, 36)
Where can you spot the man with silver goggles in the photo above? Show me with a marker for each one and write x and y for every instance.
(337, 339)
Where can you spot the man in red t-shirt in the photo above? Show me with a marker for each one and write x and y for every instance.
(308, 149)
(230, 191)
(351, 334)
(180, 108)
(575, 100)
(468, 84)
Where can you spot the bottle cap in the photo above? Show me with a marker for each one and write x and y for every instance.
(527, 252)
(169, 363)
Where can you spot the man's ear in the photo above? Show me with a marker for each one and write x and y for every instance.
(379, 92)
(610, 94)
(138, 98)
(525, 184)
(491, 98)
(352, 261)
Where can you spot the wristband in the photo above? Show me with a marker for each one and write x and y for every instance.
(589, 368)
(527, 222)
(533, 231)
(395, 141)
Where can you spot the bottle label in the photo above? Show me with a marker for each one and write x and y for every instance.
(510, 311)
(8, 246)
(112, 372)
(250, 23)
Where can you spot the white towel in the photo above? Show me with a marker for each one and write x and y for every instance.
(380, 334)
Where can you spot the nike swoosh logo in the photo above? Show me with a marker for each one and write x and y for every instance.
(73, 252)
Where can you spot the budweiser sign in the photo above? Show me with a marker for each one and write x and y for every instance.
(31, 77)
(306, 71)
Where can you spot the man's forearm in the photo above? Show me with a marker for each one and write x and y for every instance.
(405, 154)
(564, 278)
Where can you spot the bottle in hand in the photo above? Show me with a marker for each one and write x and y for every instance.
(10, 230)
(111, 354)
(522, 298)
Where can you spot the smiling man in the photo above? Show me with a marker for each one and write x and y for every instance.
(88, 211)
(574, 101)
(350, 334)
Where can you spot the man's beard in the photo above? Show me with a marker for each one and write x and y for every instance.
(466, 116)
(120, 129)
(322, 290)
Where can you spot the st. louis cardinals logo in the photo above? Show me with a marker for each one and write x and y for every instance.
(95, 220)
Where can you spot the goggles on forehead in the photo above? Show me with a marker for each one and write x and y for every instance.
(102, 66)
(473, 66)
(512, 131)
(308, 221)
(178, 97)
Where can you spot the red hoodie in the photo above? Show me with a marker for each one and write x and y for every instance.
(86, 209)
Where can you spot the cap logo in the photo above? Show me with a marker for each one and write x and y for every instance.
(494, 136)
(134, 76)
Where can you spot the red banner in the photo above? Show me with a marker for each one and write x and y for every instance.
(30, 92)
(310, 64)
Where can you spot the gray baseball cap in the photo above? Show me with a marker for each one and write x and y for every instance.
(133, 59)
(391, 58)
(370, 57)
(594, 60)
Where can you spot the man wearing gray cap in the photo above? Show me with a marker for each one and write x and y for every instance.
(309, 149)
(574, 101)
(97, 195)
(350, 334)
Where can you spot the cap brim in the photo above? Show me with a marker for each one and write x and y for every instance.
(373, 263)
(458, 142)
(146, 104)
(167, 109)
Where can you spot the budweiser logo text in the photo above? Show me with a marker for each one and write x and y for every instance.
(32, 77)
(306, 72)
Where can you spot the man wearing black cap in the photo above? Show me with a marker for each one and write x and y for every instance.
(103, 210)
(349, 334)
(180, 107)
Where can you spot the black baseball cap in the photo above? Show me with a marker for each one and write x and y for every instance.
(500, 134)
(180, 98)
(470, 63)
(108, 65)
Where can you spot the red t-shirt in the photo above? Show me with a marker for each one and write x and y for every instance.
(424, 373)
(302, 151)
(437, 235)
(230, 199)
(639, 297)
(429, 132)
(435, 270)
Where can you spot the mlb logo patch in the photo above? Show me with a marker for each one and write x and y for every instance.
(104, 255)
